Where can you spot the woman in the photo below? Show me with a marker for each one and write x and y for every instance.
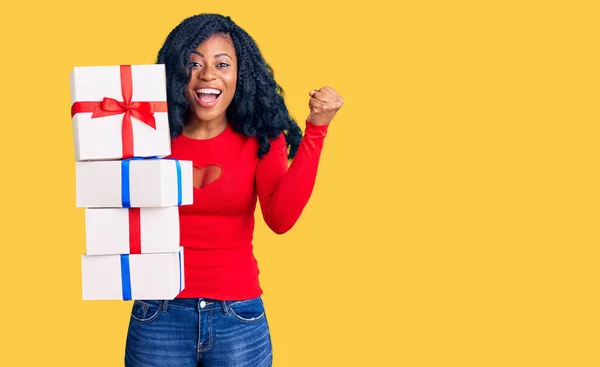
(228, 116)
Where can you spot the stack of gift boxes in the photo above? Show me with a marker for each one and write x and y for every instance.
(129, 189)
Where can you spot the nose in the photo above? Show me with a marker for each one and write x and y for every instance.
(208, 74)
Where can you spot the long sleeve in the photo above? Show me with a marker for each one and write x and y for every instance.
(284, 191)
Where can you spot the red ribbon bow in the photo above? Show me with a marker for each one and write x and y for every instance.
(143, 111)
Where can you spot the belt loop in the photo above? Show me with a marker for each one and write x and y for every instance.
(225, 309)
(165, 305)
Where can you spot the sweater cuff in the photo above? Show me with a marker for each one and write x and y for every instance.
(316, 130)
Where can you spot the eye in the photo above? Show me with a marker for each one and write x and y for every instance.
(195, 64)
(222, 65)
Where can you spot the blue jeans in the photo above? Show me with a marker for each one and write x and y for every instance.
(198, 332)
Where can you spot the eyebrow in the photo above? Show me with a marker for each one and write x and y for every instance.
(217, 55)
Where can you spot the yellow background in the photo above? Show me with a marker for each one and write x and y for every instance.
(455, 217)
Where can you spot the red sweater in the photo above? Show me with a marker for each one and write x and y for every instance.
(217, 229)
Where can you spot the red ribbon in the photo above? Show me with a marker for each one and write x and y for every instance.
(143, 111)
(135, 238)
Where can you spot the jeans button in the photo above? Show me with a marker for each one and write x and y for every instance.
(202, 304)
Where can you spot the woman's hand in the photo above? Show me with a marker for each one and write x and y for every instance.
(324, 104)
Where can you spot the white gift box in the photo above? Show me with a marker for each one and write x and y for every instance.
(101, 112)
(114, 231)
(133, 183)
(131, 277)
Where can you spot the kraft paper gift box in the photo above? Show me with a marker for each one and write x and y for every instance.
(131, 277)
(133, 183)
(115, 231)
(119, 112)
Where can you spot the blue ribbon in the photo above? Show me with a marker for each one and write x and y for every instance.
(125, 189)
(125, 277)
(179, 186)
(125, 182)
(180, 272)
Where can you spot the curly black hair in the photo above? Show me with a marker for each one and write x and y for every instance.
(257, 109)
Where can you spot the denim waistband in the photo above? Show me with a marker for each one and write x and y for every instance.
(200, 304)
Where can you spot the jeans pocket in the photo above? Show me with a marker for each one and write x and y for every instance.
(252, 310)
(145, 311)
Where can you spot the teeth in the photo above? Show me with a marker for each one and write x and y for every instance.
(208, 91)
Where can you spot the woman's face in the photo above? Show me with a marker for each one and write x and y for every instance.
(213, 81)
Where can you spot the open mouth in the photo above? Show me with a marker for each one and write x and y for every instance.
(207, 97)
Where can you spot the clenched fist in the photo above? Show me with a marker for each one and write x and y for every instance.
(324, 104)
